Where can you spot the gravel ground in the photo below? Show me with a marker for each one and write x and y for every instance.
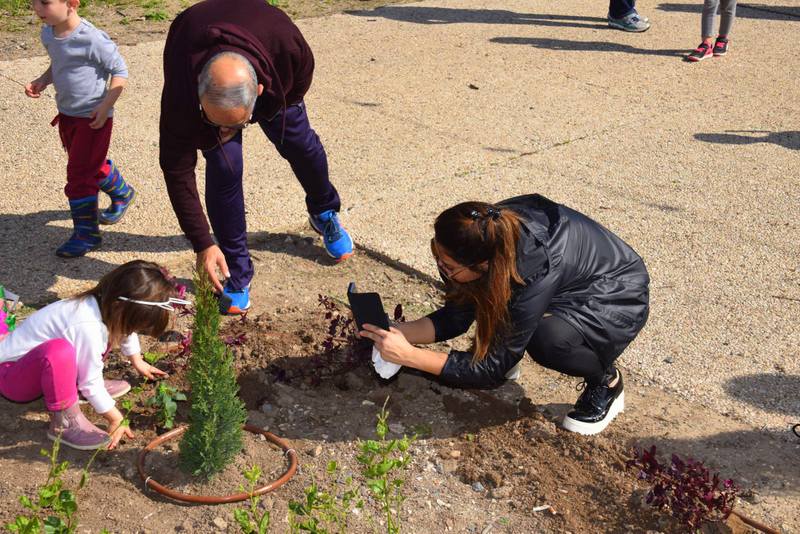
(697, 166)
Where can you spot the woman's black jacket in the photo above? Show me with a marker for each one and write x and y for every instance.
(573, 268)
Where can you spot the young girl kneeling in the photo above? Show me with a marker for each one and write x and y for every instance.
(59, 350)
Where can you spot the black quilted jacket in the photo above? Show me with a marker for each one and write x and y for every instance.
(573, 268)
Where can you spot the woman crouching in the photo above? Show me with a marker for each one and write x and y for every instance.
(534, 276)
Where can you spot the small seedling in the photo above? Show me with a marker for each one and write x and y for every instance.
(153, 357)
(251, 520)
(382, 461)
(55, 509)
(685, 488)
(164, 401)
(323, 511)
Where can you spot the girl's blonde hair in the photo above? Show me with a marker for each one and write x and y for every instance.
(138, 280)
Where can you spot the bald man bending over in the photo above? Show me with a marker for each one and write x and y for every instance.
(228, 65)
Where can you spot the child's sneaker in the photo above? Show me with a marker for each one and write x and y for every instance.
(720, 46)
(700, 53)
(115, 388)
(338, 243)
(234, 301)
(75, 430)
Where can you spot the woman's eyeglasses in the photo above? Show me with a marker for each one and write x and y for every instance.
(444, 269)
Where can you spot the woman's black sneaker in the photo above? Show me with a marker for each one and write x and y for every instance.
(596, 406)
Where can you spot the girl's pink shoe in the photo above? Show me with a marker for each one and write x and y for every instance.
(75, 430)
(115, 388)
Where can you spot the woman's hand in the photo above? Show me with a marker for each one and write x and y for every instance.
(145, 369)
(392, 344)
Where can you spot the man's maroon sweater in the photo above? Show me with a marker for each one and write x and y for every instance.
(283, 63)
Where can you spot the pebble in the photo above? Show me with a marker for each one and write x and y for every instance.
(455, 454)
(317, 451)
(477, 486)
(397, 428)
(220, 523)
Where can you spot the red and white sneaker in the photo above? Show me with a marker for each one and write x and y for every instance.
(721, 46)
(700, 53)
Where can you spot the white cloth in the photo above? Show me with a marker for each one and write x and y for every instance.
(79, 322)
(382, 367)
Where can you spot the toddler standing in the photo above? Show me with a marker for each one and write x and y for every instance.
(727, 8)
(82, 58)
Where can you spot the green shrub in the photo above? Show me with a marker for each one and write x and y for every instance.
(216, 414)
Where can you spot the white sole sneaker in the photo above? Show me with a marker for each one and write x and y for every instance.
(588, 429)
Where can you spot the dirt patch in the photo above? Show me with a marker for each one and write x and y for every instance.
(130, 22)
(483, 460)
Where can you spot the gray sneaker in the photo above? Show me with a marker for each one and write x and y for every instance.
(630, 23)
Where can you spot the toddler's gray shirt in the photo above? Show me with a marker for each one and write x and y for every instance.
(82, 63)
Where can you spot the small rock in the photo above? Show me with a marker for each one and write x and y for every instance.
(397, 428)
(317, 451)
(268, 408)
(455, 454)
(220, 523)
(478, 487)
(366, 402)
(668, 359)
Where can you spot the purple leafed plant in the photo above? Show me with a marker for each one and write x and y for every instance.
(684, 488)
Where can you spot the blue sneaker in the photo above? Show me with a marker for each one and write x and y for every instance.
(338, 243)
(234, 301)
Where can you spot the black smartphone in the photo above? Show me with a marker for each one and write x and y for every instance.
(367, 308)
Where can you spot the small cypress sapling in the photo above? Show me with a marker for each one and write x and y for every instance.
(216, 413)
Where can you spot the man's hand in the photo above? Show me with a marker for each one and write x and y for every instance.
(210, 260)
(99, 117)
(34, 89)
(145, 369)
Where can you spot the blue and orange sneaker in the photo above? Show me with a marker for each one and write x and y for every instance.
(234, 301)
(338, 243)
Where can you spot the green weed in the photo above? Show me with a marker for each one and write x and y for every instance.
(251, 520)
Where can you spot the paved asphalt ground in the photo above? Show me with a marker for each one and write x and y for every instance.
(420, 106)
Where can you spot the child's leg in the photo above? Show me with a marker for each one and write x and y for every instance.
(49, 369)
(87, 149)
(727, 15)
(707, 21)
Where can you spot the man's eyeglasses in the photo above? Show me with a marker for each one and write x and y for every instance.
(240, 126)
(444, 269)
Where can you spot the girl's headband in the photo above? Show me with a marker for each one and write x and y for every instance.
(168, 305)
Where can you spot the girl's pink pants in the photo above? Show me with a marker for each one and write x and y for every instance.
(49, 370)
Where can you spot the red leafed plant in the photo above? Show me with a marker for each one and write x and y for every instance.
(684, 488)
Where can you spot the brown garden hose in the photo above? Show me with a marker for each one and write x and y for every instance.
(755, 524)
(149, 482)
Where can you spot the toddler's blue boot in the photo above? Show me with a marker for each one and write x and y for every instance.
(121, 194)
(86, 234)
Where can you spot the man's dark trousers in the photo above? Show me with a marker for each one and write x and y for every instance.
(297, 142)
(618, 9)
